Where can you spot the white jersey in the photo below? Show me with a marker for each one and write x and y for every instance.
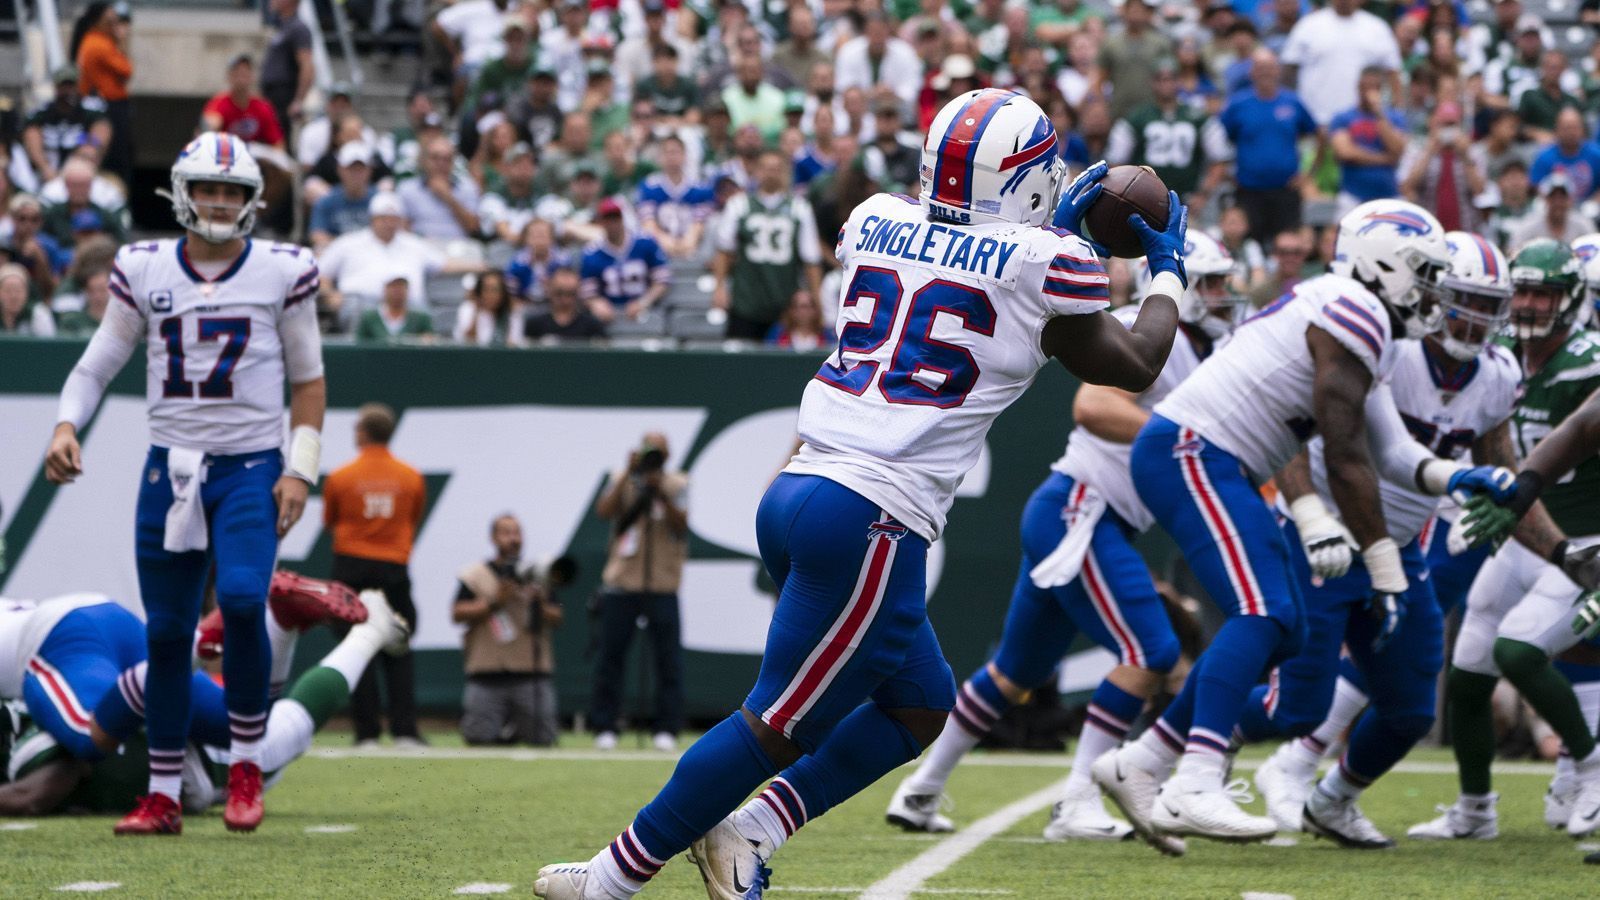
(1252, 398)
(1444, 416)
(939, 331)
(214, 353)
(1104, 464)
(24, 624)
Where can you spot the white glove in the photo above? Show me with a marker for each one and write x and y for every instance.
(1328, 544)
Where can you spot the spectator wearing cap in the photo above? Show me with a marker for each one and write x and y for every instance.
(393, 320)
(561, 48)
(878, 59)
(78, 214)
(1187, 148)
(15, 316)
(490, 316)
(894, 156)
(1442, 173)
(324, 176)
(505, 211)
(1571, 153)
(534, 110)
(99, 47)
(564, 317)
(473, 31)
(68, 121)
(1329, 49)
(672, 95)
(537, 257)
(286, 69)
(359, 263)
(673, 207)
(240, 111)
(38, 253)
(799, 53)
(635, 57)
(752, 101)
(716, 141)
(503, 76)
(345, 210)
(1128, 57)
(316, 136)
(441, 203)
(1554, 216)
(1541, 103)
(1368, 142)
(1505, 78)
(767, 249)
(624, 273)
(1265, 124)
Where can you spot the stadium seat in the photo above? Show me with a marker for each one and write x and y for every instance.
(686, 294)
(1574, 40)
(691, 324)
(1554, 12)
(652, 325)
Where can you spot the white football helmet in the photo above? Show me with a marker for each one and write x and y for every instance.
(991, 156)
(1397, 250)
(215, 157)
(1588, 250)
(1211, 302)
(1476, 294)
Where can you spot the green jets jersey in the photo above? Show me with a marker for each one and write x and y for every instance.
(1174, 145)
(114, 784)
(770, 245)
(1548, 398)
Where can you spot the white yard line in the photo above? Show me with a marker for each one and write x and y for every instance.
(965, 892)
(484, 887)
(909, 878)
(18, 826)
(330, 829)
(90, 886)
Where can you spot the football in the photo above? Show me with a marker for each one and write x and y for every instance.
(1127, 190)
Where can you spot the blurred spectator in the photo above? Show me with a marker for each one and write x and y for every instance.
(104, 191)
(635, 59)
(396, 15)
(752, 101)
(1231, 61)
(1330, 48)
(1441, 172)
(345, 210)
(1196, 90)
(316, 137)
(1553, 216)
(669, 92)
(1128, 57)
(504, 75)
(398, 148)
(324, 176)
(801, 327)
(1506, 78)
(508, 209)
(1079, 72)
(561, 160)
(574, 212)
(286, 70)
(564, 316)
(496, 136)
(373, 506)
(878, 58)
(99, 47)
(240, 111)
(536, 259)
(15, 316)
(489, 316)
(1056, 21)
(1278, 22)
(623, 273)
(78, 213)
(392, 319)
(534, 111)
(798, 54)
(1291, 251)
(646, 506)
(1496, 38)
(90, 305)
(1368, 141)
(440, 202)
(1500, 143)
(1541, 103)
(672, 207)
(606, 115)
(1184, 146)
(1572, 153)
(894, 157)
(360, 263)
(1233, 231)
(58, 128)
(38, 253)
(741, 164)
(716, 141)
(767, 249)
(561, 48)
(1514, 196)
(1264, 124)
(510, 696)
(841, 189)
(472, 32)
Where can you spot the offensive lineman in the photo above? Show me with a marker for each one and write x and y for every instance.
(225, 320)
(952, 304)
(1080, 573)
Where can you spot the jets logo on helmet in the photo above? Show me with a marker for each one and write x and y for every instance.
(1476, 294)
(1547, 285)
(216, 158)
(1397, 250)
(990, 156)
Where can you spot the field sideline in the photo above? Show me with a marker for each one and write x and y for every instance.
(449, 820)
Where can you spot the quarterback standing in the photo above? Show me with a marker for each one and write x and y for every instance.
(225, 321)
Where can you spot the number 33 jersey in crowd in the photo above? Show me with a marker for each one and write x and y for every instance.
(939, 331)
(214, 354)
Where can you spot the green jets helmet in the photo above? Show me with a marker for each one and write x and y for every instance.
(1550, 267)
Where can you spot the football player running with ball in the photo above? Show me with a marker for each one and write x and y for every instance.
(225, 321)
(951, 306)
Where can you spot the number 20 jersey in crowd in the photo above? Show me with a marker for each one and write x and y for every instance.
(214, 357)
(939, 331)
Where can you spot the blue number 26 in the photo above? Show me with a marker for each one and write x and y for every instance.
(923, 370)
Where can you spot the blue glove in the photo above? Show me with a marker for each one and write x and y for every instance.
(1388, 611)
(1498, 483)
(1163, 250)
(1076, 200)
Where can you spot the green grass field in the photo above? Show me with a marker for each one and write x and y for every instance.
(390, 825)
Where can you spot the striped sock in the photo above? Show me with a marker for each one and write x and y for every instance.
(979, 705)
(623, 868)
(246, 731)
(1157, 749)
(1111, 711)
(1342, 783)
(772, 817)
(166, 772)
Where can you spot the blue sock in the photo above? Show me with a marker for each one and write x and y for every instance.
(1179, 714)
(1254, 724)
(1233, 663)
(246, 672)
(867, 745)
(979, 703)
(1112, 709)
(712, 779)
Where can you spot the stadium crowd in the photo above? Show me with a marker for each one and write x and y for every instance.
(582, 168)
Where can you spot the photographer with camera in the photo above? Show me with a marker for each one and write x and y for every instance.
(510, 611)
(647, 508)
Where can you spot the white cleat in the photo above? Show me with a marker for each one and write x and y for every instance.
(1558, 801)
(392, 630)
(917, 812)
(1343, 822)
(1463, 820)
(1585, 818)
(731, 865)
(664, 742)
(1082, 816)
(1134, 791)
(605, 740)
(562, 881)
(1212, 813)
(1285, 795)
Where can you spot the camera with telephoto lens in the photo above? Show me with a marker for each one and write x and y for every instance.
(651, 458)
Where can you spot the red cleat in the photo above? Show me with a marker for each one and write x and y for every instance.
(299, 602)
(243, 812)
(208, 636)
(155, 814)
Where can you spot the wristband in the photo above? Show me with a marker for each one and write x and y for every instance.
(1308, 509)
(1528, 486)
(1558, 553)
(1434, 475)
(1167, 284)
(305, 454)
(1383, 566)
